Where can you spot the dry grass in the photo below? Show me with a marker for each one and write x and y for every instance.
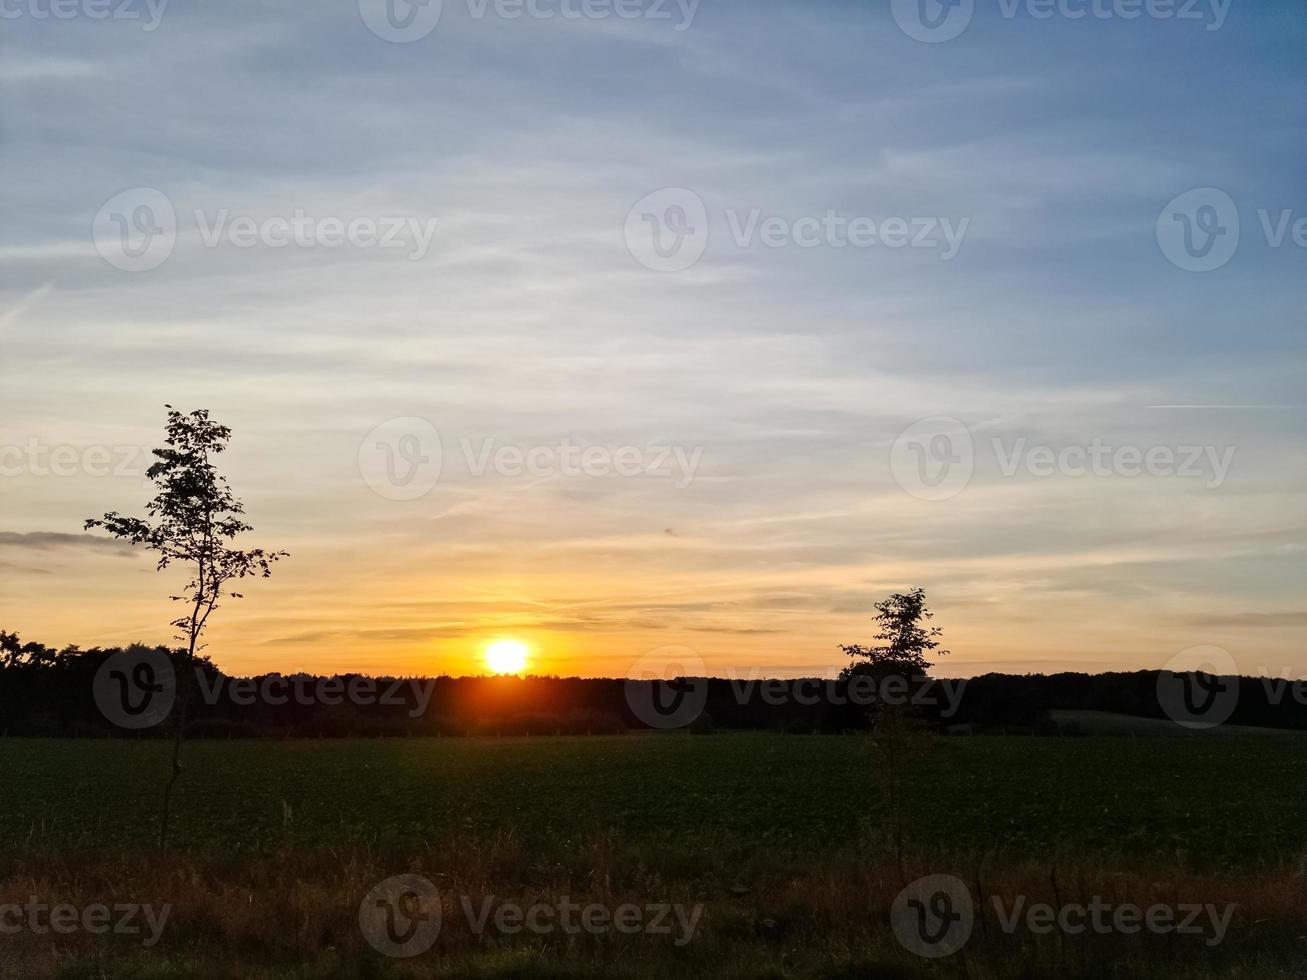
(295, 915)
(790, 844)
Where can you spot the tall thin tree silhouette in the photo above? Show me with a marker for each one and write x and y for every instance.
(192, 520)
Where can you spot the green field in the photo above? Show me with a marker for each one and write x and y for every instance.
(795, 844)
(1234, 803)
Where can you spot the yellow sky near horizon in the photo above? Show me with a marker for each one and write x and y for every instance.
(621, 606)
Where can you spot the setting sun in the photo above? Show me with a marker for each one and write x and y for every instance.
(506, 656)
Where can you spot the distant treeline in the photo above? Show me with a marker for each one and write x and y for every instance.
(72, 692)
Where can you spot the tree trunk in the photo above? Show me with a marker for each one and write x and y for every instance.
(185, 680)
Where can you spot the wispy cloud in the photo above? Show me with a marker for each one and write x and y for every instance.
(50, 540)
(795, 369)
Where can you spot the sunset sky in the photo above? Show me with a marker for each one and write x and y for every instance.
(764, 385)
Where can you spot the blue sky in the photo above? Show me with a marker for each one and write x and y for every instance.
(527, 318)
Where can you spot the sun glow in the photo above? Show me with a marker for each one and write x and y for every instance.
(507, 656)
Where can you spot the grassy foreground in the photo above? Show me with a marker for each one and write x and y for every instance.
(794, 846)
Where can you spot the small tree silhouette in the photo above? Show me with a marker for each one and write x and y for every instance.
(191, 521)
(905, 641)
